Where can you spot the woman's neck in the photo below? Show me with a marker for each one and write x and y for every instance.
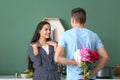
(42, 41)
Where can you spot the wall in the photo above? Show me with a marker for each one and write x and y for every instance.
(19, 18)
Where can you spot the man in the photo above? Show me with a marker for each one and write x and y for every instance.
(77, 38)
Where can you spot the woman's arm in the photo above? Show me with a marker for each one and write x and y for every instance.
(35, 48)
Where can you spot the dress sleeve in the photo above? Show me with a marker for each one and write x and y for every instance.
(34, 59)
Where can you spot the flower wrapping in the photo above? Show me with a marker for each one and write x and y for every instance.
(86, 56)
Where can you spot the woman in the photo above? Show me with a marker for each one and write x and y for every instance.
(41, 54)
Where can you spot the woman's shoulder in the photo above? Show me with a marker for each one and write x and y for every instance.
(30, 47)
(51, 47)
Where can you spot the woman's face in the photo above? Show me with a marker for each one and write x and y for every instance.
(45, 31)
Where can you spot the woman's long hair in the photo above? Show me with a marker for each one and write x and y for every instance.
(35, 38)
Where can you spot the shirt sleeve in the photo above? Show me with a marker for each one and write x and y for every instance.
(98, 42)
(62, 40)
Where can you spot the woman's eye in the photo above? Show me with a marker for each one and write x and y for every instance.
(46, 29)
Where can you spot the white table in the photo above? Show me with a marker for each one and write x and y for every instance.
(12, 77)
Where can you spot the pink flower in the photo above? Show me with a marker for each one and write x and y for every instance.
(88, 55)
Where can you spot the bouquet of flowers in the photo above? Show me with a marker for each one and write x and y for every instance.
(87, 56)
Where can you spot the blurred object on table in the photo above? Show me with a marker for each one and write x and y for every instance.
(117, 70)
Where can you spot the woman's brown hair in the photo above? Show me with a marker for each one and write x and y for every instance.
(35, 38)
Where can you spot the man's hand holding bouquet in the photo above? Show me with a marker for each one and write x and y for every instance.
(86, 56)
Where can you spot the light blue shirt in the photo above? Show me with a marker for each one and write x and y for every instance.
(74, 39)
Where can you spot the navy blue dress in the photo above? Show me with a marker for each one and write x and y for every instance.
(44, 65)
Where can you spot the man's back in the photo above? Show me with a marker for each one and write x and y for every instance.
(77, 38)
(74, 39)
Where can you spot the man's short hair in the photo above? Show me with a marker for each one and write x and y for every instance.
(79, 15)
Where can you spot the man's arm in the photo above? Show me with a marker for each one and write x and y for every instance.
(59, 58)
(104, 58)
